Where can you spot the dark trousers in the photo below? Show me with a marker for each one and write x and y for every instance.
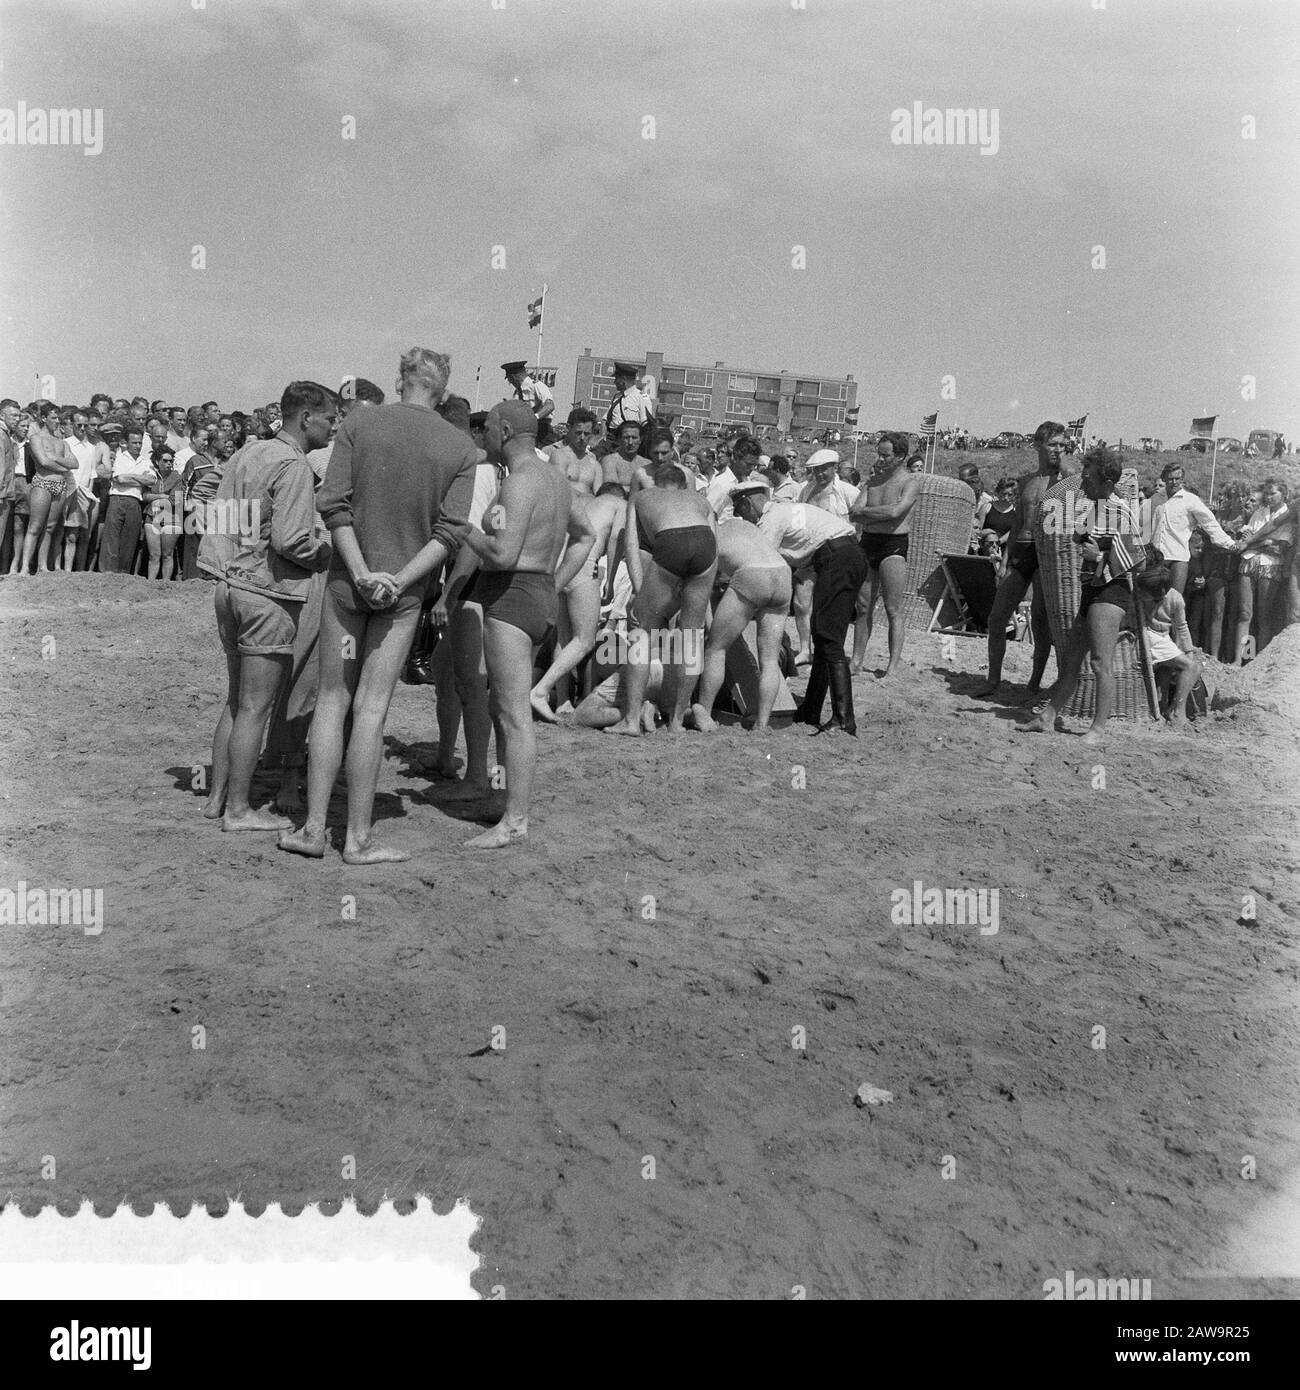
(841, 568)
(122, 524)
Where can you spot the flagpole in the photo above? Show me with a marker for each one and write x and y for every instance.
(1214, 455)
(541, 324)
(477, 376)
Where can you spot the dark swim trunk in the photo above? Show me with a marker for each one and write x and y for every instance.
(1024, 560)
(1116, 592)
(877, 547)
(685, 551)
(523, 599)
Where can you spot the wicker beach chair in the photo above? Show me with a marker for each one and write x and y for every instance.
(1058, 573)
(942, 517)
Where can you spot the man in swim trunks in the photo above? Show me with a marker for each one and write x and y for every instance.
(581, 467)
(620, 467)
(264, 564)
(884, 509)
(520, 548)
(758, 590)
(54, 471)
(580, 602)
(1103, 517)
(672, 557)
(1022, 563)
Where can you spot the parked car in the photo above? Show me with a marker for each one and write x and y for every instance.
(1229, 445)
(1264, 441)
(1149, 445)
(1196, 446)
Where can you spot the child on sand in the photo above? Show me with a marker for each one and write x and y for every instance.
(1163, 614)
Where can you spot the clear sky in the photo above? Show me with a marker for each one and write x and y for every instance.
(520, 124)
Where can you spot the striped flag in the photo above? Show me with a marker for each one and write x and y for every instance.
(1203, 428)
(535, 312)
(851, 416)
(930, 426)
(1075, 428)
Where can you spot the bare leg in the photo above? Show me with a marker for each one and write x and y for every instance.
(801, 607)
(339, 675)
(1189, 669)
(685, 673)
(40, 504)
(216, 803)
(1041, 628)
(259, 682)
(771, 628)
(579, 615)
(153, 543)
(654, 605)
(729, 620)
(509, 652)
(1071, 666)
(1245, 612)
(466, 634)
(1103, 630)
(20, 537)
(862, 609)
(448, 706)
(1005, 602)
(53, 533)
(387, 642)
(893, 583)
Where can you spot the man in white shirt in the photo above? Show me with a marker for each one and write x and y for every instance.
(1181, 513)
(718, 492)
(630, 403)
(806, 535)
(178, 430)
(535, 394)
(80, 504)
(824, 488)
(123, 519)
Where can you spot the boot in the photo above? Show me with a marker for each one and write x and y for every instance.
(810, 708)
(842, 699)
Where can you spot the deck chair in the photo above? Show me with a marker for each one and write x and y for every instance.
(970, 583)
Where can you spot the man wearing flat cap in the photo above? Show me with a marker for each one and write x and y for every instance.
(630, 404)
(534, 393)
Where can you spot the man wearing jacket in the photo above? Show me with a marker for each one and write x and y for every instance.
(263, 543)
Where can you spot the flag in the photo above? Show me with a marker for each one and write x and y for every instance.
(930, 426)
(1074, 430)
(546, 375)
(535, 312)
(851, 415)
(1204, 427)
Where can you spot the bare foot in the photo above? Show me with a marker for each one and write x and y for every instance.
(463, 791)
(631, 727)
(215, 806)
(703, 722)
(1093, 737)
(367, 852)
(305, 841)
(540, 707)
(1178, 723)
(255, 818)
(507, 831)
(1039, 724)
(858, 667)
(649, 717)
(676, 725)
(803, 659)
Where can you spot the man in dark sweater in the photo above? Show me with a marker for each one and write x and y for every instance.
(396, 501)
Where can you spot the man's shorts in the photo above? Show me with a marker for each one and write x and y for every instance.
(767, 589)
(344, 595)
(1024, 560)
(878, 546)
(523, 599)
(1161, 647)
(255, 624)
(22, 496)
(77, 513)
(1116, 593)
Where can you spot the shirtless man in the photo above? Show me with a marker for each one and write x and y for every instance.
(54, 469)
(1022, 564)
(884, 508)
(580, 466)
(580, 603)
(672, 557)
(758, 589)
(620, 467)
(517, 586)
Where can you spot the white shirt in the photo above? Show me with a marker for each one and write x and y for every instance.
(177, 443)
(836, 499)
(788, 491)
(797, 529)
(631, 405)
(1177, 518)
(486, 486)
(130, 475)
(536, 393)
(718, 493)
(85, 452)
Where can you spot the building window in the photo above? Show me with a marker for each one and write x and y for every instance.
(769, 385)
(695, 400)
(765, 412)
(702, 379)
(739, 405)
(602, 393)
(835, 391)
(741, 383)
(690, 422)
(603, 367)
(808, 388)
(830, 414)
(672, 376)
